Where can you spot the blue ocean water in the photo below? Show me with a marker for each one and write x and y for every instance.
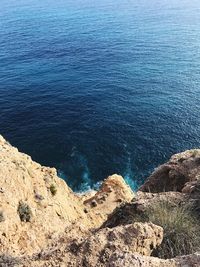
(100, 87)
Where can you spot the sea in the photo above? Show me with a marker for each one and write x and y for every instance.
(94, 88)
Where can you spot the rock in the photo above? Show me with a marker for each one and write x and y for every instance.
(98, 249)
(126, 259)
(41, 227)
(25, 180)
(21, 178)
(112, 192)
(172, 176)
(192, 260)
(138, 237)
(117, 259)
(130, 212)
(193, 190)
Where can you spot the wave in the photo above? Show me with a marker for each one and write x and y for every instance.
(75, 171)
(129, 174)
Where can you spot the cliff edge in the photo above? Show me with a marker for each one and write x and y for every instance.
(44, 223)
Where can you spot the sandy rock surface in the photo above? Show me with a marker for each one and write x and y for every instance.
(52, 204)
(44, 223)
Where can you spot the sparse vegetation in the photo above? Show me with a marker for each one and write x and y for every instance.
(2, 218)
(24, 212)
(181, 229)
(53, 189)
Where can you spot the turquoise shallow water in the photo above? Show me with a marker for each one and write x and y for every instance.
(100, 87)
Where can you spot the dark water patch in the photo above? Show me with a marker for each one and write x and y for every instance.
(100, 87)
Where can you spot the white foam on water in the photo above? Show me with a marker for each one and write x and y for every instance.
(129, 174)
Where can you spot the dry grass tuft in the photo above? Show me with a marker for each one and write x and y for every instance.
(181, 229)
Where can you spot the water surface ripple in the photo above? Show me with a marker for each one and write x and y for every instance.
(100, 87)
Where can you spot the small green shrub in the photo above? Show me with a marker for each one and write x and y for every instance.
(53, 189)
(181, 229)
(24, 212)
(2, 218)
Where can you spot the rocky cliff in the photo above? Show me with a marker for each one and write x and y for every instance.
(43, 223)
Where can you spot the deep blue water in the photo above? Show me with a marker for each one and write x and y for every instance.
(100, 87)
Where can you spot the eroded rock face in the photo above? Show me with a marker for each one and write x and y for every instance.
(173, 175)
(117, 259)
(45, 214)
(98, 249)
(137, 237)
(37, 206)
(127, 259)
(111, 194)
(193, 190)
(43, 223)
